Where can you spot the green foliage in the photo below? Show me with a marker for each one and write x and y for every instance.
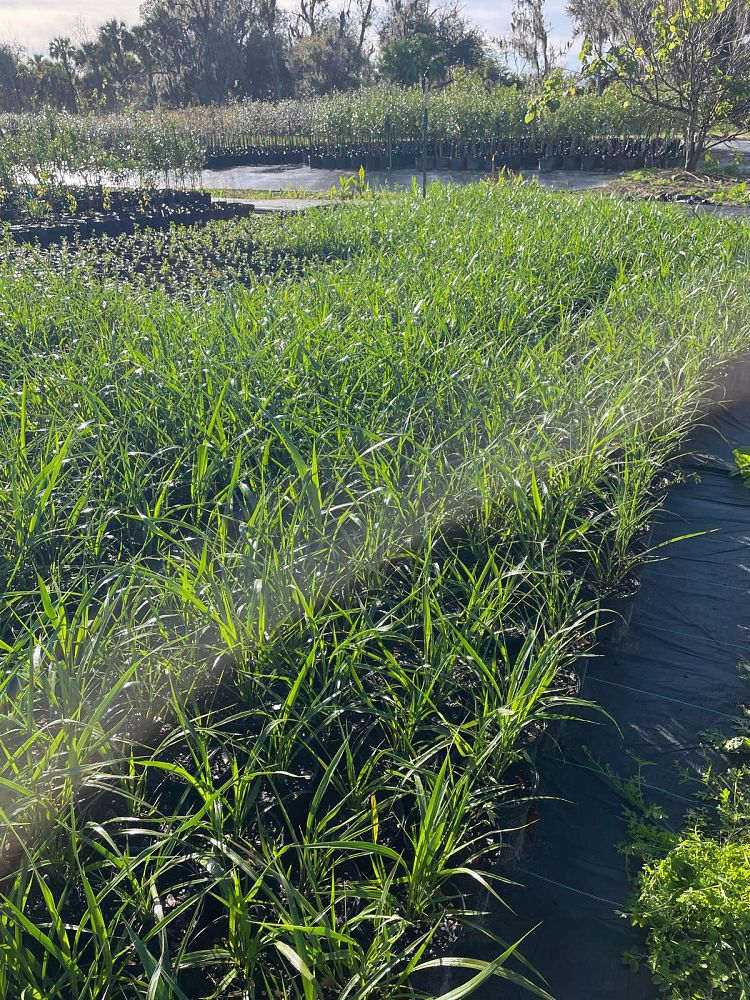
(688, 59)
(151, 146)
(293, 570)
(742, 461)
(695, 906)
(467, 108)
(355, 186)
(49, 146)
(406, 60)
(693, 892)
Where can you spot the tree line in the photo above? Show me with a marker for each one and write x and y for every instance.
(184, 52)
(187, 52)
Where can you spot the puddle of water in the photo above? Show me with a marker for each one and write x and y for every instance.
(735, 154)
(724, 211)
(285, 178)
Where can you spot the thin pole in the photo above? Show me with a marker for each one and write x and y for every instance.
(425, 124)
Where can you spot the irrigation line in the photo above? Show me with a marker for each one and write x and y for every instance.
(714, 584)
(664, 697)
(722, 646)
(570, 888)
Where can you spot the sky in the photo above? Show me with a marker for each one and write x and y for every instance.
(32, 23)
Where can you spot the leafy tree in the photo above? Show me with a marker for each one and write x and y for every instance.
(406, 60)
(211, 51)
(327, 60)
(690, 59)
(416, 38)
(14, 79)
(329, 50)
(62, 52)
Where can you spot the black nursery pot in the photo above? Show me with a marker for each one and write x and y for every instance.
(184, 218)
(613, 620)
(629, 162)
(591, 161)
(547, 163)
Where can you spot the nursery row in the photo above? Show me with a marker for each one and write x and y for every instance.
(128, 215)
(381, 153)
(463, 111)
(42, 201)
(296, 574)
(380, 121)
(184, 262)
(489, 155)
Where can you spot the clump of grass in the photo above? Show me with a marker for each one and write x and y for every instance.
(294, 572)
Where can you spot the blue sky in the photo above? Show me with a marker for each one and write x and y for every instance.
(32, 23)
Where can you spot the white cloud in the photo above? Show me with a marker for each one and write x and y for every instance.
(33, 23)
(495, 17)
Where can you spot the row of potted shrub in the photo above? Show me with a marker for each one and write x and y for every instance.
(475, 155)
(122, 215)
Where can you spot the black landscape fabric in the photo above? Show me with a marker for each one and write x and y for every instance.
(673, 679)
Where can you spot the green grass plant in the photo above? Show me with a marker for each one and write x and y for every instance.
(294, 569)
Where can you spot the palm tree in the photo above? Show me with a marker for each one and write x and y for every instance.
(62, 51)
